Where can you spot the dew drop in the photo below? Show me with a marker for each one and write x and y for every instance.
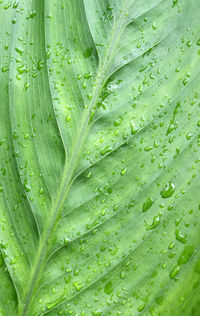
(156, 221)
(134, 128)
(78, 285)
(105, 150)
(27, 188)
(168, 190)
(124, 171)
(180, 236)
(56, 302)
(174, 272)
(4, 69)
(149, 202)
(68, 118)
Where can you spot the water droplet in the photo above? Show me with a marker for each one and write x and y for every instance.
(68, 118)
(189, 43)
(171, 245)
(168, 190)
(154, 26)
(89, 174)
(185, 81)
(180, 236)
(105, 150)
(149, 202)
(148, 148)
(32, 14)
(41, 190)
(122, 275)
(84, 85)
(124, 171)
(13, 260)
(134, 128)
(88, 75)
(174, 272)
(40, 64)
(27, 187)
(76, 272)
(78, 285)
(117, 122)
(173, 126)
(7, 5)
(156, 221)
(27, 85)
(188, 135)
(19, 50)
(56, 302)
(4, 69)
(21, 69)
(164, 265)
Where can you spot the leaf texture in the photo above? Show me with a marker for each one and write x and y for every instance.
(99, 145)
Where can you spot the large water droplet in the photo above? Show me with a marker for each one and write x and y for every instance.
(156, 221)
(149, 202)
(174, 272)
(168, 190)
(180, 236)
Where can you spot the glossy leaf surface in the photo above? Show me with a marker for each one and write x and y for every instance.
(99, 147)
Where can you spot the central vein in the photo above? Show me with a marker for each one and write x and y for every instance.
(67, 179)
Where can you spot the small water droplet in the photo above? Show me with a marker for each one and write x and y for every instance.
(117, 122)
(27, 187)
(27, 85)
(124, 171)
(19, 50)
(78, 285)
(134, 128)
(68, 118)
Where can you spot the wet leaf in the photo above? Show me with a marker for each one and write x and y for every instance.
(100, 157)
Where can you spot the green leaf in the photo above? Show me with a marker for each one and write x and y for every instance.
(100, 152)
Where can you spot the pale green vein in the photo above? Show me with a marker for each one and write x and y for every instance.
(67, 179)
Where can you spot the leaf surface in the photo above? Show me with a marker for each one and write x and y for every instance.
(99, 144)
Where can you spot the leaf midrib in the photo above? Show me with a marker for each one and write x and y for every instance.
(67, 179)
